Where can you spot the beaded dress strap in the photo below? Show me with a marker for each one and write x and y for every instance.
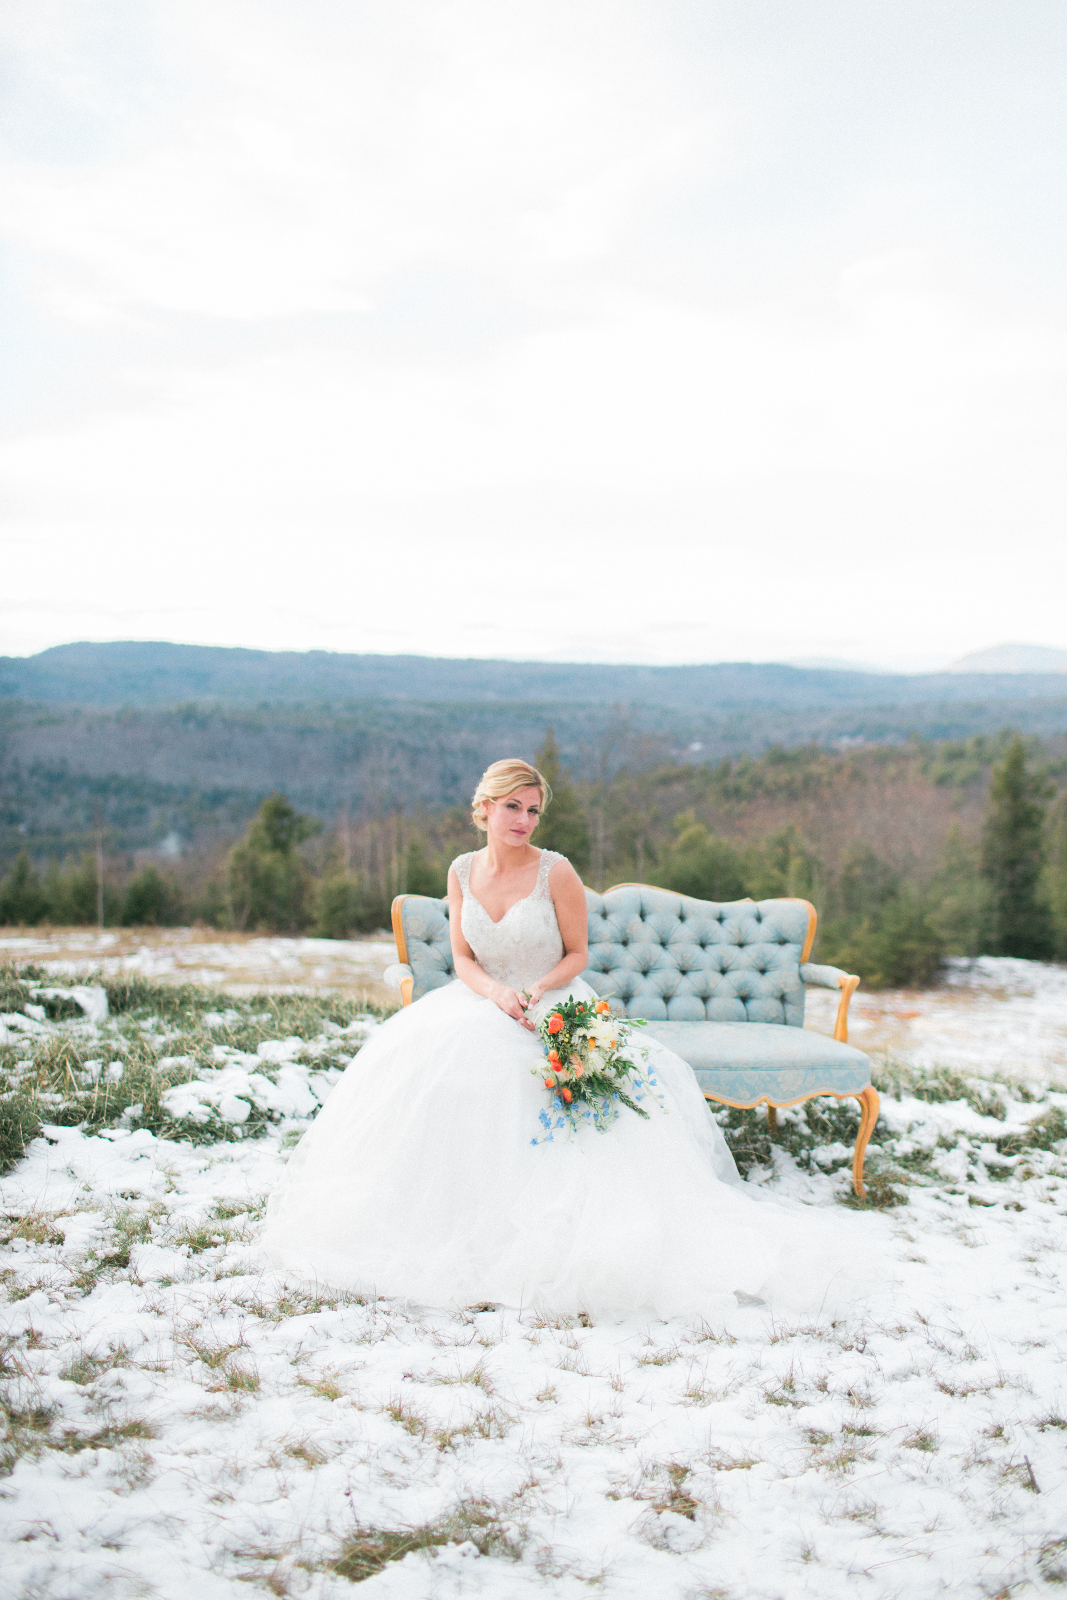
(462, 865)
(548, 861)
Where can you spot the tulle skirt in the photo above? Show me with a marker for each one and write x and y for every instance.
(419, 1179)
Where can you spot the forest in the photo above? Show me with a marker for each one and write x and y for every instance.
(911, 852)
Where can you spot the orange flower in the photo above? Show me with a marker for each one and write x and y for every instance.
(553, 1056)
(555, 1022)
(577, 1068)
(550, 1083)
(565, 1092)
(602, 1006)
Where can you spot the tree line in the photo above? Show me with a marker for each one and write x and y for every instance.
(910, 854)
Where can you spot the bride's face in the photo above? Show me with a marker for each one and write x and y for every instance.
(512, 820)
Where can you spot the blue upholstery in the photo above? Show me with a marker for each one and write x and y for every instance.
(666, 957)
(744, 1062)
(720, 985)
(429, 947)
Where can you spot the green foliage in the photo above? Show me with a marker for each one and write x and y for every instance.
(1054, 877)
(268, 879)
(19, 1124)
(62, 1083)
(961, 898)
(564, 826)
(421, 875)
(698, 863)
(896, 946)
(1012, 857)
(339, 906)
(782, 866)
(22, 898)
(152, 898)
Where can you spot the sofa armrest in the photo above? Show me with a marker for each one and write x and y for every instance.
(833, 978)
(400, 976)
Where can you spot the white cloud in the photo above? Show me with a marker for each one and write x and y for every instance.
(427, 326)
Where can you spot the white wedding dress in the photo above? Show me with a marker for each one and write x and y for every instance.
(418, 1179)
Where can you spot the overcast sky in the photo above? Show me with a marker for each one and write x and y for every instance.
(687, 330)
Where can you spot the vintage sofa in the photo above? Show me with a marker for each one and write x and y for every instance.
(721, 985)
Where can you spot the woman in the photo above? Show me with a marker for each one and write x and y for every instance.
(419, 1178)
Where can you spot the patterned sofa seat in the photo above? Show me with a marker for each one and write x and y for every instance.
(721, 985)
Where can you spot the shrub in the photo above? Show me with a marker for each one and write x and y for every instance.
(151, 898)
(898, 946)
(22, 898)
(700, 864)
(338, 904)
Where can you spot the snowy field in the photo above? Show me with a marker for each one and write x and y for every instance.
(182, 1421)
(237, 963)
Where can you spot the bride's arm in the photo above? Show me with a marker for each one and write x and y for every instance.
(572, 914)
(467, 968)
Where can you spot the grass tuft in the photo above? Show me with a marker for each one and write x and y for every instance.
(369, 1550)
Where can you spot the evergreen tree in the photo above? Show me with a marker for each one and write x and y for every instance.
(960, 898)
(700, 864)
(897, 945)
(268, 879)
(1012, 857)
(782, 867)
(338, 906)
(564, 826)
(22, 898)
(151, 898)
(423, 876)
(1055, 875)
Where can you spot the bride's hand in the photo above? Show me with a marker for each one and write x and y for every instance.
(536, 994)
(512, 1004)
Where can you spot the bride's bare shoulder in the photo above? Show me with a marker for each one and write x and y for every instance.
(561, 875)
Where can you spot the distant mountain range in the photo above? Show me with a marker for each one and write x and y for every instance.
(150, 674)
(1014, 658)
(162, 740)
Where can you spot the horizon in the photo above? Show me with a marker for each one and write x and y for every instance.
(960, 666)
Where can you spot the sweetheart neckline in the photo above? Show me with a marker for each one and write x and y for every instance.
(496, 921)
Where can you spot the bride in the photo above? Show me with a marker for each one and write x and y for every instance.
(419, 1177)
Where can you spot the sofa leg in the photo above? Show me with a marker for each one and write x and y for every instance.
(772, 1118)
(868, 1117)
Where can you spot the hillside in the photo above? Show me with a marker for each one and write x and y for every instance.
(156, 674)
(160, 740)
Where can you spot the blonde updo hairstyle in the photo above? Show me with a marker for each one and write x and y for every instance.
(500, 780)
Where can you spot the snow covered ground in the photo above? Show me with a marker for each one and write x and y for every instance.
(183, 1421)
(237, 963)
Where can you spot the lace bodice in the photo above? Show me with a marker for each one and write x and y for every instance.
(526, 943)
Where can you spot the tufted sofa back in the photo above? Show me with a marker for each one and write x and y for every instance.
(667, 957)
(658, 955)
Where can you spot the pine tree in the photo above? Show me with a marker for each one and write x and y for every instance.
(960, 897)
(563, 826)
(700, 864)
(22, 899)
(1012, 857)
(1055, 875)
(268, 878)
(151, 898)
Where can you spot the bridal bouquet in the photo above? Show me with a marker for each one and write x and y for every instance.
(586, 1069)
